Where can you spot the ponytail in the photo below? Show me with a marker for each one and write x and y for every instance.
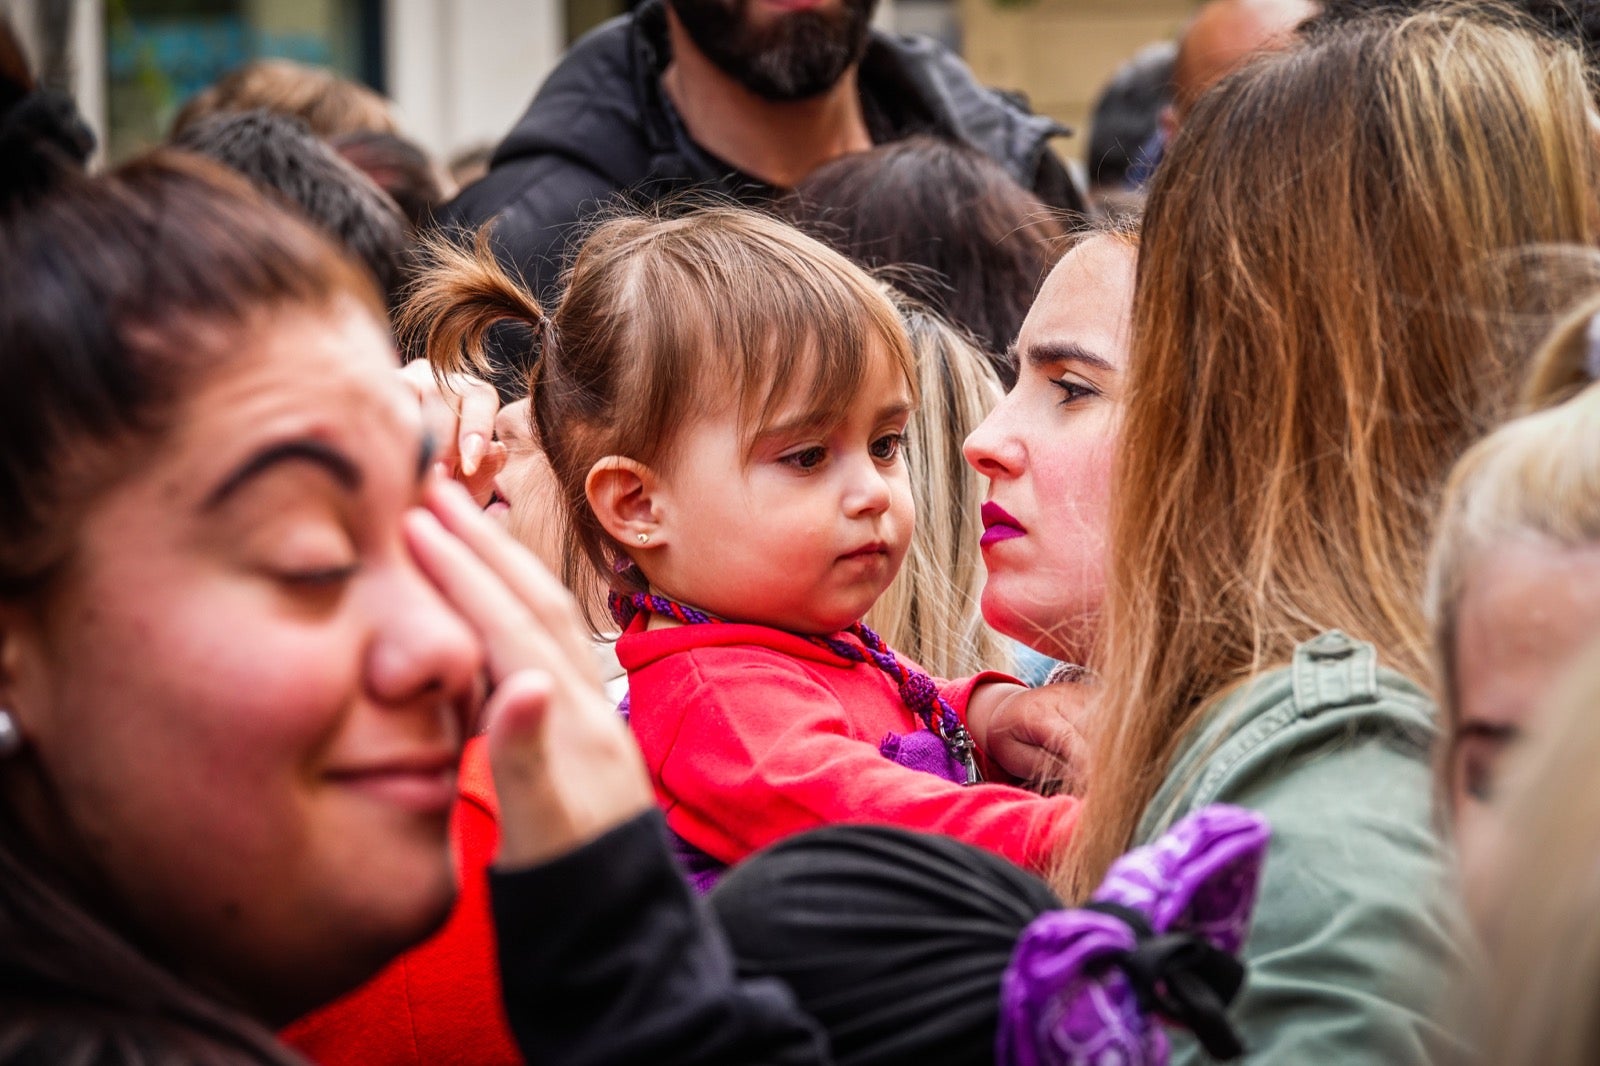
(460, 295)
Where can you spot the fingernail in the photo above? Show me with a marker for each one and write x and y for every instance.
(471, 453)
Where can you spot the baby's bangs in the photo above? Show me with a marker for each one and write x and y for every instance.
(807, 339)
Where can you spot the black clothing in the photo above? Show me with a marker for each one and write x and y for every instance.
(892, 942)
(895, 941)
(601, 125)
(607, 957)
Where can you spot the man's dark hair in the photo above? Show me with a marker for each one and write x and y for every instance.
(1575, 21)
(1127, 113)
(944, 223)
(280, 154)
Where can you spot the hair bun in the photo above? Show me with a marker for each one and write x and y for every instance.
(43, 138)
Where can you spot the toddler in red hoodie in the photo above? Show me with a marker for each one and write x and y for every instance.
(723, 401)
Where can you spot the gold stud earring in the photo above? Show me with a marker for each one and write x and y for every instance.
(644, 538)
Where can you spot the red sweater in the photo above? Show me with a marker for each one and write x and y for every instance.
(753, 734)
(439, 1003)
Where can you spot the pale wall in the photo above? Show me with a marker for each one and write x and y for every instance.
(1061, 52)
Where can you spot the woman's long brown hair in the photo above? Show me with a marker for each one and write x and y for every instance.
(1326, 315)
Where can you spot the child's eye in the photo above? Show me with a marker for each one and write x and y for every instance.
(1074, 390)
(806, 458)
(886, 447)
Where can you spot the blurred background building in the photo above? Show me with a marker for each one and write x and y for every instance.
(462, 70)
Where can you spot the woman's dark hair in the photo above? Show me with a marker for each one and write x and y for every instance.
(104, 285)
(948, 225)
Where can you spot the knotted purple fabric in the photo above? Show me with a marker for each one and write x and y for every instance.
(1068, 998)
(922, 750)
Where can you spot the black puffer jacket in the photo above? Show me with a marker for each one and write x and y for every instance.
(601, 125)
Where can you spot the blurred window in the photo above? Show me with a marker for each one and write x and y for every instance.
(161, 52)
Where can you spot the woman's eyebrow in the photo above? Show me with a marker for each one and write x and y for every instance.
(1050, 352)
(301, 450)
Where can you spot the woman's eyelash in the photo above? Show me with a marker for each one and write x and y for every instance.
(1074, 390)
(320, 577)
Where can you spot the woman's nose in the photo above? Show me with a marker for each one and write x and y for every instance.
(514, 424)
(992, 448)
(421, 648)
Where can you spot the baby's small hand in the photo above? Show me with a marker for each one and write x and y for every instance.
(1033, 734)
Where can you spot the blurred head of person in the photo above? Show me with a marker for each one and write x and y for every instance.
(1532, 891)
(233, 704)
(1324, 321)
(1514, 587)
(280, 155)
(328, 104)
(1126, 115)
(400, 168)
(1223, 36)
(946, 224)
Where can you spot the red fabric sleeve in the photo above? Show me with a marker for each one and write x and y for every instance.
(763, 751)
(439, 1003)
(959, 695)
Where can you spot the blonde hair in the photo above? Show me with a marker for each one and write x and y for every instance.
(1535, 477)
(662, 320)
(1535, 892)
(331, 106)
(930, 612)
(1317, 335)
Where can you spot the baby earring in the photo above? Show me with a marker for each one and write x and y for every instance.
(10, 735)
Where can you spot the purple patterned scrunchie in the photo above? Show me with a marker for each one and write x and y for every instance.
(1083, 983)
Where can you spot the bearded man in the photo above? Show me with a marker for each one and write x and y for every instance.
(742, 98)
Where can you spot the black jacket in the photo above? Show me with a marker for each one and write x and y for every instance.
(601, 125)
(607, 958)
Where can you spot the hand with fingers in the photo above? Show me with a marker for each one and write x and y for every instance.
(1036, 735)
(459, 412)
(566, 769)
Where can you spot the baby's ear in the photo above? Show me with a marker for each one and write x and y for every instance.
(622, 493)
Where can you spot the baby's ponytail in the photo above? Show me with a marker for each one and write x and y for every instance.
(460, 295)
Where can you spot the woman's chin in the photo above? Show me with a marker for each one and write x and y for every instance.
(1062, 636)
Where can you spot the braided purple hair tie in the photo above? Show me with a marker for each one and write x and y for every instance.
(917, 690)
(1158, 939)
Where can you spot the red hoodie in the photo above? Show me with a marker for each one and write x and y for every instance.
(753, 734)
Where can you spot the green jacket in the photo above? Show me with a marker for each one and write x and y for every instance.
(1354, 937)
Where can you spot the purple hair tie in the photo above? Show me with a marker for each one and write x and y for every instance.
(1158, 938)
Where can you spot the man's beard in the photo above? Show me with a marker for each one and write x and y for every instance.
(800, 55)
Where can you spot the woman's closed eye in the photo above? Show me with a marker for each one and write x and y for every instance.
(318, 577)
(310, 556)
